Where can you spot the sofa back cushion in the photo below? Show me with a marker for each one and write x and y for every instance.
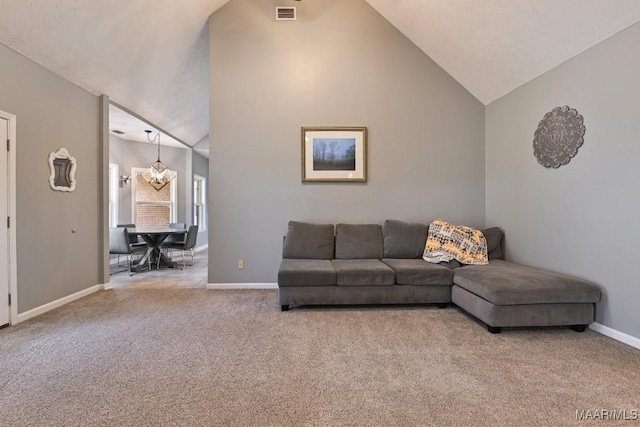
(404, 240)
(308, 241)
(495, 238)
(359, 241)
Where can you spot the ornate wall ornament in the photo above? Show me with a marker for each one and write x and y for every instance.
(558, 137)
(62, 166)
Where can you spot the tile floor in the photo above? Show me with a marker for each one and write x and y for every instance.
(193, 276)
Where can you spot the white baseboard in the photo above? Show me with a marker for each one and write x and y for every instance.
(616, 335)
(242, 286)
(57, 303)
(106, 286)
(201, 248)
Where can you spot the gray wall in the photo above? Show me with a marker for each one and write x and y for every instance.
(127, 154)
(583, 217)
(51, 113)
(340, 64)
(201, 167)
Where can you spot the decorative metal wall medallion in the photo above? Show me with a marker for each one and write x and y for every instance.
(558, 137)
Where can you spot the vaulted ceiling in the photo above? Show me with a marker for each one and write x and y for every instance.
(151, 56)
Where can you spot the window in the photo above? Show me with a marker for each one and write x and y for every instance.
(200, 202)
(114, 182)
(152, 208)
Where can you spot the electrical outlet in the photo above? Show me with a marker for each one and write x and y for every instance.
(240, 264)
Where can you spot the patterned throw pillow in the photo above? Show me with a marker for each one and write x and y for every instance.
(447, 241)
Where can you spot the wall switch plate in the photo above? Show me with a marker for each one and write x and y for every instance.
(240, 264)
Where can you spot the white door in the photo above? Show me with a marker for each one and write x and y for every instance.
(4, 231)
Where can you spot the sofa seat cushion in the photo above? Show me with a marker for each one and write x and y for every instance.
(506, 283)
(363, 272)
(306, 272)
(419, 272)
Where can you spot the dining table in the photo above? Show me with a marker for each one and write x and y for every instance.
(153, 237)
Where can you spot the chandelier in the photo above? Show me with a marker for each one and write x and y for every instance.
(158, 174)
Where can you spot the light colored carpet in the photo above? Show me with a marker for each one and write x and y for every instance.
(231, 358)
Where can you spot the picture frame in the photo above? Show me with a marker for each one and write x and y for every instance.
(334, 154)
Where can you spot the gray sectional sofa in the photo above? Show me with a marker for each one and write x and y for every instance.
(371, 264)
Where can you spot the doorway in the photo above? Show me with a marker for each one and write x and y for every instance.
(129, 148)
(8, 308)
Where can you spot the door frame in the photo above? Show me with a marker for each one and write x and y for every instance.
(114, 185)
(13, 252)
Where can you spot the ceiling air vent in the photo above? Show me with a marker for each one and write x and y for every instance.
(285, 13)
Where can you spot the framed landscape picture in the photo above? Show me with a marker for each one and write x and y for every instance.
(334, 154)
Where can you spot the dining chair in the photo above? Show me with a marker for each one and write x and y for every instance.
(134, 241)
(188, 244)
(119, 244)
(176, 237)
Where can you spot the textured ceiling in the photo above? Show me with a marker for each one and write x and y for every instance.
(493, 46)
(126, 126)
(151, 56)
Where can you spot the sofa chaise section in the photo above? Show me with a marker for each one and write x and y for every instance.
(506, 294)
